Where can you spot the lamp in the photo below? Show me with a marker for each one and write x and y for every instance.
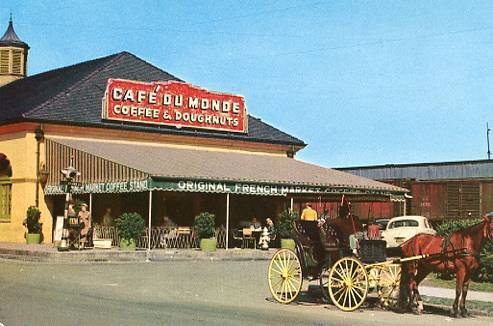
(39, 134)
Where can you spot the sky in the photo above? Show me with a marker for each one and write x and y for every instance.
(361, 82)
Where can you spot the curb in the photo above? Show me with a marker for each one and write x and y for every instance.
(110, 256)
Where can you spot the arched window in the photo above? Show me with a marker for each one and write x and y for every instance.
(5, 188)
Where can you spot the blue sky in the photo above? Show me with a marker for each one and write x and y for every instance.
(361, 82)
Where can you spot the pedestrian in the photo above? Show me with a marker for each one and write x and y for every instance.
(85, 220)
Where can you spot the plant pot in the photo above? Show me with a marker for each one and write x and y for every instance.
(288, 244)
(208, 244)
(127, 245)
(33, 238)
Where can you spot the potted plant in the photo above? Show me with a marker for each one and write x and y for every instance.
(130, 227)
(31, 222)
(285, 228)
(205, 227)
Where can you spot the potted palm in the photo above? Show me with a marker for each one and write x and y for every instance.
(205, 227)
(31, 222)
(130, 227)
(285, 228)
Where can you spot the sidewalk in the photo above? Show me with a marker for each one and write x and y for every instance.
(48, 253)
(450, 293)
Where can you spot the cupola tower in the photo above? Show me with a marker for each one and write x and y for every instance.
(13, 56)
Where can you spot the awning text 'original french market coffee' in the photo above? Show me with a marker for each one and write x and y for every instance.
(173, 103)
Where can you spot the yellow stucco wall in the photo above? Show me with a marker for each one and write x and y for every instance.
(21, 151)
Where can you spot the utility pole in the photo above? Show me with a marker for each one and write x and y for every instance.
(488, 140)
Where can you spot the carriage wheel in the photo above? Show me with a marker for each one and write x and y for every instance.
(324, 281)
(389, 285)
(348, 284)
(285, 276)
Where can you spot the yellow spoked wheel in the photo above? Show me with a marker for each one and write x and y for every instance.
(348, 284)
(389, 285)
(285, 276)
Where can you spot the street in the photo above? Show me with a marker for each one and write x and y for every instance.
(170, 293)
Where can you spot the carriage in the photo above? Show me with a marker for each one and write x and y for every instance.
(344, 279)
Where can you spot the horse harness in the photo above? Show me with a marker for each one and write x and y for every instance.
(460, 251)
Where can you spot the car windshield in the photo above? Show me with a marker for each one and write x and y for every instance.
(403, 223)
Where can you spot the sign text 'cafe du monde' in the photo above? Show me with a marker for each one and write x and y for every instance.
(174, 103)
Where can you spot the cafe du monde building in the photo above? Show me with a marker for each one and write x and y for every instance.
(146, 141)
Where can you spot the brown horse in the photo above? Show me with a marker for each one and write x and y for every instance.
(458, 253)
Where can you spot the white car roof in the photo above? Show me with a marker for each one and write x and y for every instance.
(408, 217)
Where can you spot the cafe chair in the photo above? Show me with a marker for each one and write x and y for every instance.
(237, 236)
(184, 236)
(169, 238)
(248, 237)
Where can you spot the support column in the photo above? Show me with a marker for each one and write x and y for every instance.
(90, 203)
(405, 207)
(149, 227)
(227, 221)
(292, 204)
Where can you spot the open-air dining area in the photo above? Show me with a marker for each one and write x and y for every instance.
(172, 219)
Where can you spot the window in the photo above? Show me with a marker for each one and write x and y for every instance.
(5, 198)
(4, 61)
(404, 223)
(16, 61)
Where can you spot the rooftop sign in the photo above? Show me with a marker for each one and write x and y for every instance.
(173, 103)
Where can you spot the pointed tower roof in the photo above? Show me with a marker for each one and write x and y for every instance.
(10, 38)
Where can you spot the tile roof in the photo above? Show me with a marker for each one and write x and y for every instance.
(202, 164)
(72, 95)
(426, 171)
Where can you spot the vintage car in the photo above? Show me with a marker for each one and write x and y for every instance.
(402, 228)
(382, 223)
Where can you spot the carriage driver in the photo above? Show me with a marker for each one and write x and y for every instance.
(309, 221)
(309, 214)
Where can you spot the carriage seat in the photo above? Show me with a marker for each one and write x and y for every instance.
(330, 240)
(301, 235)
(372, 251)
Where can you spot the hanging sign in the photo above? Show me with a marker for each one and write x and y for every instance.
(99, 187)
(173, 103)
(256, 188)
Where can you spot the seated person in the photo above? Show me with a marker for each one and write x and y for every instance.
(270, 228)
(308, 213)
(309, 221)
(107, 218)
(311, 224)
(254, 224)
(168, 223)
(244, 224)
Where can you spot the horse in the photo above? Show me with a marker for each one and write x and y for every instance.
(459, 253)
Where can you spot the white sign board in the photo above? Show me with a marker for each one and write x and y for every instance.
(58, 229)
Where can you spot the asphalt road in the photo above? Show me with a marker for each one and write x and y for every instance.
(171, 293)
